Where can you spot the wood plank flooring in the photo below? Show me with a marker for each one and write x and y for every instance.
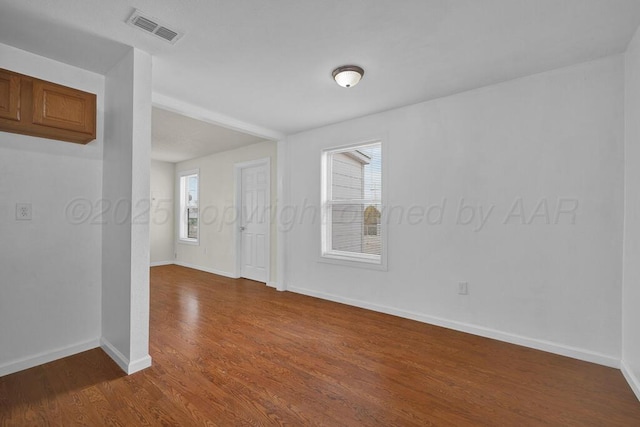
(234, 352)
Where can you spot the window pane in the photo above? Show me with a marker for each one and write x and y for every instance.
(372, 243)
(373, 172)
(356, 228)
(189, 207)
(357, 174)
(192, 190)
(192, 223)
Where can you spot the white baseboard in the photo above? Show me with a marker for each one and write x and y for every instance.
(115, 354)
(220, 272)
(633, 381)
(160, 263)
(276, 285)
(139, 364)
(46, 357)
(122, 361)
(548, 346)
(206, 269)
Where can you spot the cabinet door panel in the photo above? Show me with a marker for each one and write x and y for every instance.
(63, 108)
(9, 96)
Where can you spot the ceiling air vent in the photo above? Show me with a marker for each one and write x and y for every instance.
(153, 26)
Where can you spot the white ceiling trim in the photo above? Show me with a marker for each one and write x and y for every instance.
(195, 112)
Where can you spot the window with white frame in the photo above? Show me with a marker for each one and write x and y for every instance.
(189, 216)
(352, 229)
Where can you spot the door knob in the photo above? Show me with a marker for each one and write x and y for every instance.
(242, 228)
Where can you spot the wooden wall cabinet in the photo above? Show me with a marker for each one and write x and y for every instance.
(36, 107)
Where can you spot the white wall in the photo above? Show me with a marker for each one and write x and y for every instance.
(551, 136)
(50, 267)
(216, 251)
(125, 253)
(631, 286)
(161, 226)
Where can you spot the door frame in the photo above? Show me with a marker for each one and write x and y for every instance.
(238, 167)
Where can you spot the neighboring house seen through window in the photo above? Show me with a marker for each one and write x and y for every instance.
(352, 203)
(189, 219)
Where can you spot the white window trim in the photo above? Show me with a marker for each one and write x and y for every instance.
(179, 213)
(352, 259)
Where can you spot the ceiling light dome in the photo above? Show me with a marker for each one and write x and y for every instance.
(348, 75)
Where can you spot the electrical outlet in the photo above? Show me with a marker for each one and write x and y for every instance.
(463, 288)
(23, 211)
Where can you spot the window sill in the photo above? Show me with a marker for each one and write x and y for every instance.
(192, 242)
(371, 263)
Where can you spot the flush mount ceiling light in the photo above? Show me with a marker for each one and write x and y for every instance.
(348, 75)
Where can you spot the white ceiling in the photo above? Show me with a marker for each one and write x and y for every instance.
(176, 138)
(269, 63)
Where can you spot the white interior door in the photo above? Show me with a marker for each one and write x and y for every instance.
(255, 222)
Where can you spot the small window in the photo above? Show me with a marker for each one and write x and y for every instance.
(352, 229)
(189, 218)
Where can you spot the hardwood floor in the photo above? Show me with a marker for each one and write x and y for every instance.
(234, 352)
